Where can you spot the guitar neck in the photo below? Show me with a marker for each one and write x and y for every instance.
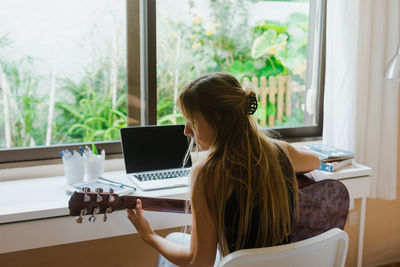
(156, 204)
(87, 202)
(177, 205)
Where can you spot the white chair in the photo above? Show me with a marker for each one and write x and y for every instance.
(328, 249)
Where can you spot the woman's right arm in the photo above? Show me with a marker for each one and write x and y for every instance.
(174, 252)
(203, 245)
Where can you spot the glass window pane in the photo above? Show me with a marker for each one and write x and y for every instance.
(265, 44)
(62, 71)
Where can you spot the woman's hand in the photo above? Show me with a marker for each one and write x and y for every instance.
(139, 221)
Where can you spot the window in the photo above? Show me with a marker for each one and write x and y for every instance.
(70, 82)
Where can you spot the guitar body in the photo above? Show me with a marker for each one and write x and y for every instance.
(323, 205)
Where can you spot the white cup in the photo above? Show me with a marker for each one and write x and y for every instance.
(74, 169)
(94, 167)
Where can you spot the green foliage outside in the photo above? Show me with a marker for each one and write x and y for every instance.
(269, 49)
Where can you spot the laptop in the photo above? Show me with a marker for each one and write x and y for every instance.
(154, 156)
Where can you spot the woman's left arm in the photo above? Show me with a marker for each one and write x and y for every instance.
(302, 161)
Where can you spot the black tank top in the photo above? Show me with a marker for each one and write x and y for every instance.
(232, 212)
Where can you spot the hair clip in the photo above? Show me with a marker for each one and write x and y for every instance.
(252, 105)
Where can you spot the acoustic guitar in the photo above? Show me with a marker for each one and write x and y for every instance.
(86, 202)
(323, 205)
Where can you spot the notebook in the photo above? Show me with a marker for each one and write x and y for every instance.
(154, 156)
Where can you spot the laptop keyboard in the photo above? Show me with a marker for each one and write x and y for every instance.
(161, 175)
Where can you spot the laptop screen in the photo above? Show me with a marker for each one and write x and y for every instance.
(150, 148)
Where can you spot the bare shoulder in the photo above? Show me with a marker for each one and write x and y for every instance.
(197, 191)
(198, 164)
(196, 167)
(208, 179)
(283, 145)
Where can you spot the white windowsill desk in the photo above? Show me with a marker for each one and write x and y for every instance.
(34, 212)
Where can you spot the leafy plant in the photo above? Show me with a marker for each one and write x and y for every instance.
(90, 116)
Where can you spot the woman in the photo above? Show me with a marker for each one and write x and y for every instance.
(244, 192)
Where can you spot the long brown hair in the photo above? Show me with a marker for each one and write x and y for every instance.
(241, 161)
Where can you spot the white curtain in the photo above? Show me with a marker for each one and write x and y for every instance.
(360, 106)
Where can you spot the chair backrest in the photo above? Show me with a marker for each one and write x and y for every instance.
(323, 205)
(328, 249)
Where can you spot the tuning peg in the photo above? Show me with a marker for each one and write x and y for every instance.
(111, 198)
(93, 218)
(80, 218)
(86, 198)
(99, 198)
(105, 214)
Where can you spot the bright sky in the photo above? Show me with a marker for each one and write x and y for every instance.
(55, 31)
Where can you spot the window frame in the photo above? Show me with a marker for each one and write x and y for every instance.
(142, 86)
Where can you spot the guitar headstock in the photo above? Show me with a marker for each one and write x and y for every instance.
(91, 203)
